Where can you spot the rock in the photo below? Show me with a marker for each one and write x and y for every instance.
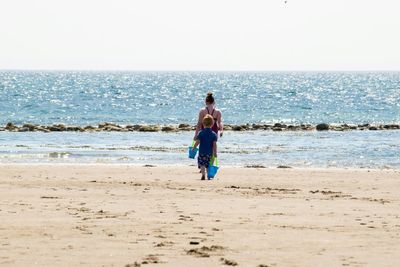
(10, 126)
(53, 128)
(337, 128)
(322, 127)
(279, 125)
(23, 129)
(168, 128)
(227, 127)
(132, 128)
(30, 126)
(257, 126)
(307, 127)
(277, 129)
(73, 128)
(237, 128)
(60, 125)
(89, 128)
(245, 127)
(149, 128)
(41, 128)
(57, 128)
(105, 124)
(392, 126)
(293, 127)
(111, 128)
(372, 128)
(183, 125)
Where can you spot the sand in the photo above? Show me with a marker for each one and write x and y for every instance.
(119, 215)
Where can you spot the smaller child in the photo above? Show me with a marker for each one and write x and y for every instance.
(208, 145)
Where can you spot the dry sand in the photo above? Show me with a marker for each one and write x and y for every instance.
(115, 215)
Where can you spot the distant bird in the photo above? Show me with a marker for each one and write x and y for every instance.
(285, 2)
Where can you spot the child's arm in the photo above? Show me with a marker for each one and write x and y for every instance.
(196, 144)
(215, 149)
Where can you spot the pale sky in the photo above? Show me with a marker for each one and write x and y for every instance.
(260, 35)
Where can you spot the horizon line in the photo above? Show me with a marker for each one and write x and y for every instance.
(199, 70)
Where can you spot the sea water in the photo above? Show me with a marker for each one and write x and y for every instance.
(82, 98)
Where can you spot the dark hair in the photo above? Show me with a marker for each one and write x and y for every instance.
(210, 98)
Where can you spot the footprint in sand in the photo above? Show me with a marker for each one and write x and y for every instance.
(165, 244)
(228, 262)
(204, 251)
(152, 258)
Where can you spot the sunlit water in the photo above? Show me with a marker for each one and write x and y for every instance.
(129, 97)
(82, 98)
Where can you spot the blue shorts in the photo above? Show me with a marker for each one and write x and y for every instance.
(203, 160)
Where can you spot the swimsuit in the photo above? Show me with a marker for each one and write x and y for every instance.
(214, 127)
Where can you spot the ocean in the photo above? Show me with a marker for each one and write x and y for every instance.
(89, 98)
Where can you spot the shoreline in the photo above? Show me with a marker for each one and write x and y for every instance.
(108, 215)
(177, 165)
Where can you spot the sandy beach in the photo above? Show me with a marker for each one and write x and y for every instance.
(123, 215)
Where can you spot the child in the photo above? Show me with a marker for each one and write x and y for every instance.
(208, 145)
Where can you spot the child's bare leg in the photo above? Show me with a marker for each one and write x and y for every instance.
(203, 172)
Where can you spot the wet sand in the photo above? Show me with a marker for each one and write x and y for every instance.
(119, 215)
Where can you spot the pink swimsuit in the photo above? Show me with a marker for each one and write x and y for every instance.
(214, 127)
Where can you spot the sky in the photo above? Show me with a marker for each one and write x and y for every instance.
(214, 35)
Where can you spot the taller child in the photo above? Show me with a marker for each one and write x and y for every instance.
(215, 113)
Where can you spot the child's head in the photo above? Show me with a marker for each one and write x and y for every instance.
(208, 121)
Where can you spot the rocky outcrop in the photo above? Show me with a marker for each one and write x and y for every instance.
(322, 127)
(113, 127)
